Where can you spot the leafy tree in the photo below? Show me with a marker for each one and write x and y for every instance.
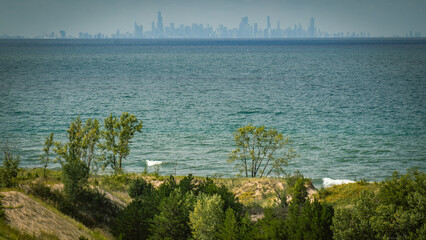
(82, 140)
(72, 150)
(48, 143)
(118, 134)
(173, 218)
(229, 229)
(246, 230)
(230, 201)
(70, 155)
(207, 216)
(9, 170)
(299, 192)
(187, 185)
(270, 226)
(90, 140)
(133, 222)
(260, 151)
(74, 176)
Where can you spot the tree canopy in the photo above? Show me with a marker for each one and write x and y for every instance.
(260, 151)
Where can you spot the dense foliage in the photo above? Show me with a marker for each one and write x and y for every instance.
(397, 211)
(9, 170)
(200, 209)
(165, 212)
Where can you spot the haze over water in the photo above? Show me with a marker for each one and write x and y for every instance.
(354, 108)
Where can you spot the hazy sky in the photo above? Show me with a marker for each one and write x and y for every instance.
(379, 17)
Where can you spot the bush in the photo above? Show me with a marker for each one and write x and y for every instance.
(74, 176)
(9, 170)
(1, 209)
(140, 187)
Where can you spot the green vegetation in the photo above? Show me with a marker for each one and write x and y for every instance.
(10, 233)
(149, 206)
(397, 211)
(118, 134)
(44, 159)
(207, 216)
(260, 151)
(9, 170)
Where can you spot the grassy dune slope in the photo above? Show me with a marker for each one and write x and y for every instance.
(32, 217)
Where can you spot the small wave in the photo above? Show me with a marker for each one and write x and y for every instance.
(152, 163)
(328, 182)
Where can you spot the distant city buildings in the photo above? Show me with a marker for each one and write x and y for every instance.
(245, 30)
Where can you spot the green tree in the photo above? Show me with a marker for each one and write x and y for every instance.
(299, 192)
(90, 140)
(207, 217)
(133, 222)
(82, 142)
(271, 226)
(260, 151)
(48, 143)
(9, 170)
(140, 187)
(117, 136)
(74, 176)
(246, 230)
(229, 229)
(70, 155)
(172, 221)
(72, 150)
(210, 188)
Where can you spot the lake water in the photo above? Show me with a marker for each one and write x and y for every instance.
(353, 108)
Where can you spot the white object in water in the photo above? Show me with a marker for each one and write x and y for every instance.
(152, 163)
(328, 182)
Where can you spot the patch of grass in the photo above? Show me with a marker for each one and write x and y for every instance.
(26, 176)
(8, 232)
(342, 195)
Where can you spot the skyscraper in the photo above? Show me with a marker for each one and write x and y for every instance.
(311, 29)
(138, 30)
(62, 34)
(244, 30)
(160, 29)
(268, 22)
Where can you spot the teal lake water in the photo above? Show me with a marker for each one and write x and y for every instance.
(354, 108)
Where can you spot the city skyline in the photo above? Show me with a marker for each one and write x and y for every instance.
(245, 30)
(41, 17)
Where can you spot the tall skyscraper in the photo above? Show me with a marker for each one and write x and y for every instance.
(160, 29)
(268, 22)
(244, 30)
(138, 31)
(62, 34)
(311, 29)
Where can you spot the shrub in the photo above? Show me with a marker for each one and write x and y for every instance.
(9, 170)
(396, 212)
(140, 187)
